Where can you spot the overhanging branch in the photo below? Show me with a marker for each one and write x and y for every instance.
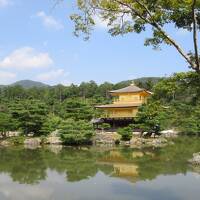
(152, 22)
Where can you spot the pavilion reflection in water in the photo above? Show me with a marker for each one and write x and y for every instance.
(31, 166)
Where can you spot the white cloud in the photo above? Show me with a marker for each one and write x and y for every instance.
(6, 77)
(100, 23)
(4, 3)
(66, 82)
(26, 58)
(54, 76)
(49, 21)
(182, 32)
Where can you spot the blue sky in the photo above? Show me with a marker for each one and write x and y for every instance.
(37, 43)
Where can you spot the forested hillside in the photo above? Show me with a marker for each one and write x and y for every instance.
(29, 84)
(41, 110)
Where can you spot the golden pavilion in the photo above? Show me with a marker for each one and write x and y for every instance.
(126, 103)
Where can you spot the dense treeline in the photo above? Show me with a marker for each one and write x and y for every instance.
(42, 110)
(175, 103)
(60, 92)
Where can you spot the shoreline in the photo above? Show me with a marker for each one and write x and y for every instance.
(99, 139)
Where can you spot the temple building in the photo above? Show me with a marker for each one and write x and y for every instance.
(125, 105)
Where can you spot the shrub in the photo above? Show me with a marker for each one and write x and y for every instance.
(126, 133)
(105, 126)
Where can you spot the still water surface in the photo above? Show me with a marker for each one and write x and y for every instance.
(99, 173)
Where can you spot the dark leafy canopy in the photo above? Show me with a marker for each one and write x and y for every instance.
(127, 16)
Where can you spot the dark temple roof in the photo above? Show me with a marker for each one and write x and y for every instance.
(130, 89)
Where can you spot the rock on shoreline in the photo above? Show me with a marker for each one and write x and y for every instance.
(101, 137)
(106, 138)
(169, 133)
(136, 141)
(196, 159)
(154, 142)
(32, 143)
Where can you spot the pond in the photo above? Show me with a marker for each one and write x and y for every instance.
(100, 173)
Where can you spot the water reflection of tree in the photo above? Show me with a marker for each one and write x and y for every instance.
(23, 165)
(147, 164)
(30, 166)
(76, 163)
(169, 160)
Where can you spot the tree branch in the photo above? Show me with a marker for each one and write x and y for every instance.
(194, 17)
(143, 6)
(173, 42)
(152, 22)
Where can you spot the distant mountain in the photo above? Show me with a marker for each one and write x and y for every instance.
(29, 84)
(141, 82)
(145, 79)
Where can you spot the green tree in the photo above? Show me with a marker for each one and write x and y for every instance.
(126, 133)
(127, 16)
(103, 89)
(88, 90)
(76, 132)
(174, 104)
(171, 89)
(50, 124)
(76, 109)
(150, 115)
(7, 123)
(30, 114)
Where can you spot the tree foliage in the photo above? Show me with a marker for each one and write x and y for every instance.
(7, 123)
(30, 115)
(50, 124)
(126, 133)
(76, 109)
(76, 132)
(175, 103)
(127, 16)
(41, 110)
(104, 126)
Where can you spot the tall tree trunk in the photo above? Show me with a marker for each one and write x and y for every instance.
(195, 40)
